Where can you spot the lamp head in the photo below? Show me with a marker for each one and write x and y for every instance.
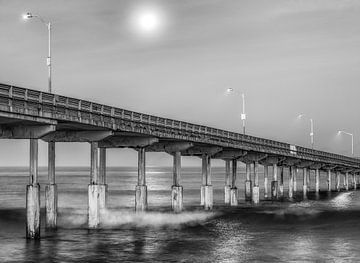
(28, 15)
(229, 90)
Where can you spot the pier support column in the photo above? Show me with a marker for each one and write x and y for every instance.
(227, 186)
(177, 189)
(337, 175)
(329, 181)
(248, 183)
(354, 181)
(317, 181)
(266, 175)
(291, 182)
(33, 195)
(346, 181)
(305, 180)
(274, 183)
(234, 190)
(256, 188)
(206, 188)
(295, 171)
(141, 188)
(51, 194)
(281, 183)
(97, 186)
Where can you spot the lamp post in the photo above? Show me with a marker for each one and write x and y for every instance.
(48, 59)
(311, 130)
(243, 114)
(352, 140)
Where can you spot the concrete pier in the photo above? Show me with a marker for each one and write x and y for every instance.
(97, 187)
(295, 171)
(256, 189)
(346, 181)
(305, 180)
(248, 182)
(177, 189)
(51, 194)
(141, 188)
(354, 181)
(266, 175)
(274, 183)
(291, 182)
(33, 195)
(329, 180)
(308, 179)
(337, 175)
(281, 182)
(233, 190)
(317, 181)
(206, 188)
(227, 185)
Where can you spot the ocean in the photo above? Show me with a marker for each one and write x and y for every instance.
(323, 230)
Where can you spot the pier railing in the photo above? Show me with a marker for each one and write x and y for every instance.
(36, 103)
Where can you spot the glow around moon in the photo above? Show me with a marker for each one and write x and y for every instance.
(148, 21)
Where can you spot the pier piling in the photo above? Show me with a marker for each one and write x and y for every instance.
(33, 195)
(141, 187)
(51, 194)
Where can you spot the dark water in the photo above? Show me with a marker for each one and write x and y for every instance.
(326, 230)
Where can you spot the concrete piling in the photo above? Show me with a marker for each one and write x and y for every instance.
(291, 182)
(97, 188)
(266, 175)
(337, 175)
(141, 188)
(305, 180)
(51, 194)
(295, 171)
(206, 188)
(33, 195)
(354, 181)
(346, 181)
(256, 188)
(227, 185)
(329, 181)
(177, 189)
(281, 182)
(317, 181)
(248, 183)
(233, 190)
(274, 183)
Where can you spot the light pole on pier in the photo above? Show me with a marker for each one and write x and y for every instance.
(311, 129)
(352, 140)
(243, 114)
(48, 59)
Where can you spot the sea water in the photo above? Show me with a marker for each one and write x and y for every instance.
(323, 230)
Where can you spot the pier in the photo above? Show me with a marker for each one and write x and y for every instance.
(34, 115)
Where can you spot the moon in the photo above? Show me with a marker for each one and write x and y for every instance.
(148, 21)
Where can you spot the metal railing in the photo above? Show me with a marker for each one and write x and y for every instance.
(32, 99)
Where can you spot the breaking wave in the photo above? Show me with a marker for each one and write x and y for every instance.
(117, 219)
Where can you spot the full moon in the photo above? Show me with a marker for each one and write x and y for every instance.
(148, 21)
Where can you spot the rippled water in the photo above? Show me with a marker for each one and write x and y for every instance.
(314, 230)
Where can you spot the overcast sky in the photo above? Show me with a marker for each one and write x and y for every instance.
(287, 56)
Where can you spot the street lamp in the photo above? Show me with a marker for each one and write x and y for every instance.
(311, 130)
(28, 16)
(243, 115)
(352, 140)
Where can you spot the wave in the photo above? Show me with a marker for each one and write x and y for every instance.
(111, 219)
